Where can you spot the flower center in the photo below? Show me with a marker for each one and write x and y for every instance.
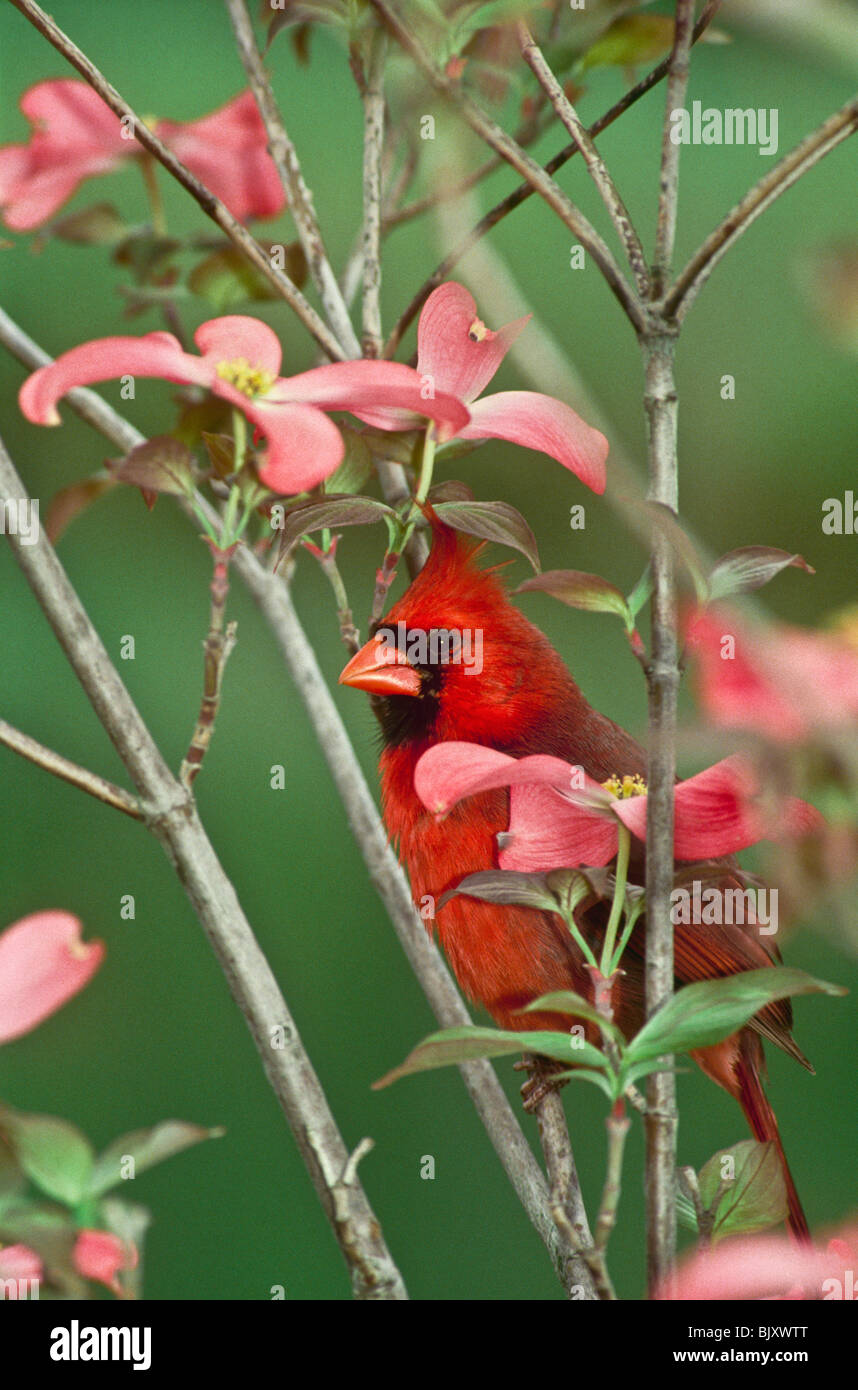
(477, 331)
(250, 381)
(624, 787)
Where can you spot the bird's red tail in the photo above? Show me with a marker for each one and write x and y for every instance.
(761, 1118)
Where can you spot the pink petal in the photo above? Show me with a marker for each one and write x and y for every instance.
(546, 831)
(75, 136)
(155, 354)
(20, 1262)
(452, 770)
(755, 1267)
(43, 963)
(237, 335)
(358, 386)
(543, 423)
(100, 1255)
(720, 811)
(70, 114)
(455, 348)
(304, 446)
(227, 150)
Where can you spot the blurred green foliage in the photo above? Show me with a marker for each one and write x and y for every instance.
(156, 1034)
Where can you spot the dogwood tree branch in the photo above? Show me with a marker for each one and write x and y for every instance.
(288, 166)
(211, 206)
(78, 776)
(509, 150)
(596, 166)
(170, 813)
(788, 171)
(373, 143)
(384, 869)
(660, 404)
(526, 190)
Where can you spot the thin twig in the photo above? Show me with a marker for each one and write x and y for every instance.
(217, 647)
(288, 166)
(617, 1125)
(526, 190)
(677, 84)
(171, 815)
(373, 144)
(596, 167)
(59, 766)
(504, 145)
(211, 206)
(809, 152)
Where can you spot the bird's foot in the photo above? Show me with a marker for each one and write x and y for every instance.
(544, 1077)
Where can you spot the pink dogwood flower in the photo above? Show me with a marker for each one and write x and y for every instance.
(20, 1262)
(101, 1256)
(769, 1267)
(782, 682)
(240, 362)
(456, 353)
(76, 136)
(43, 963)
(561, 818)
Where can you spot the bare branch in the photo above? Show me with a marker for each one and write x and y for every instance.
(285, 157)
(80, 777)
(171, 815)
(668, 187)
(211, 206)
(808, 153)
(512, 152)
(373, 142)
(596, 167)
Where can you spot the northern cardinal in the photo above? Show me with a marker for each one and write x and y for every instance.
(524, 701)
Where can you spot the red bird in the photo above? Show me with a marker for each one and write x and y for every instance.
(524, 701)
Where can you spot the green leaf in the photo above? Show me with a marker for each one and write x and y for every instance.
(707, 1012)
(580, 590)
(598, 1078)
(492, 521)
(54, 1154)
(465, 1044)
(633, 39)
(565, 1001)
(221, 451)
(754, 1199)
(226, 277)
(146, 1147)
(331, 511)
(740, 571)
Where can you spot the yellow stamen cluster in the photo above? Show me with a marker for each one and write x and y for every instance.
(624, 787)
(250, 381)
(477, 331)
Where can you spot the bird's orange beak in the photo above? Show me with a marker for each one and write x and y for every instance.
(381, 670)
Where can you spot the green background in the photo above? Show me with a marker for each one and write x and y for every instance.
(156, 1034)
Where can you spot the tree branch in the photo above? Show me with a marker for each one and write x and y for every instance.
(668, 186)
(285, 157)
(596, 166)
(171, 815)
(373, 142)
(59, 766)
(809, 152)
(211, 206)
